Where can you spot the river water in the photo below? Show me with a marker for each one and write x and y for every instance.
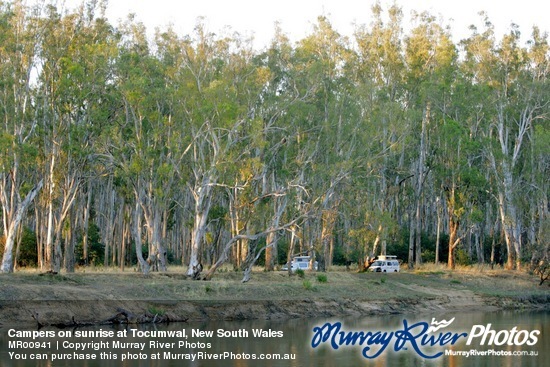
(234, 343)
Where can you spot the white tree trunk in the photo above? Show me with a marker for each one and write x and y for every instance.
(203, 201)
(13, 226)
(136, 233)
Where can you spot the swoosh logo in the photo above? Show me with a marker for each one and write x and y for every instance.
(439, 325)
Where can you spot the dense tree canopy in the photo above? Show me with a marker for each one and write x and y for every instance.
(199, 150)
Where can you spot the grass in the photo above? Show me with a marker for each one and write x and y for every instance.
(174, 285)
(156, 311)
(430, 269)
(307, 285)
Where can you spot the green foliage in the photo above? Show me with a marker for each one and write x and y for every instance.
(282, 250)
(322, 278)
(340, 257)
(542, 139)
(400, 247)
(462, 257)
(329, 123)
(170, 258)
(28, 250)
(96, 249)
(300, 273)
(153, 310)
(428, 255)
(307, 285)
(217, 212)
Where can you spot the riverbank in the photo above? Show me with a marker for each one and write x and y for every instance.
(28, 297)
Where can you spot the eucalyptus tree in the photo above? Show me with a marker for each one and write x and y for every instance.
(538, 158)
(275, 150)
(378, 76)
(146, 142)
(329, 121)
(75, 51)
(220, 107)
(450, 148)
(430, 57)
(239, 122)
(273, 159)
(458, 175)
(282, 105)
(20, 182)
(515, 93)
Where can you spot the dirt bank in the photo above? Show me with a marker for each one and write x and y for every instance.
(27, 298)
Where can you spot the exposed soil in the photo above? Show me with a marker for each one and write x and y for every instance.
(27, 297)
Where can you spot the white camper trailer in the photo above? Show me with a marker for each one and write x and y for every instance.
(301, 262)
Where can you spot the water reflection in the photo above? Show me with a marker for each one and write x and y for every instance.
(296, 341)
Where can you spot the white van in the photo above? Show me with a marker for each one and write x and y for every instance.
(301, 262)
(385, 264)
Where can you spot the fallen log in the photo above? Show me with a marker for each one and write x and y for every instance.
(127, 317)
(60, 325)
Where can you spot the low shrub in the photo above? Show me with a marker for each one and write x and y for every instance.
(322, 278)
